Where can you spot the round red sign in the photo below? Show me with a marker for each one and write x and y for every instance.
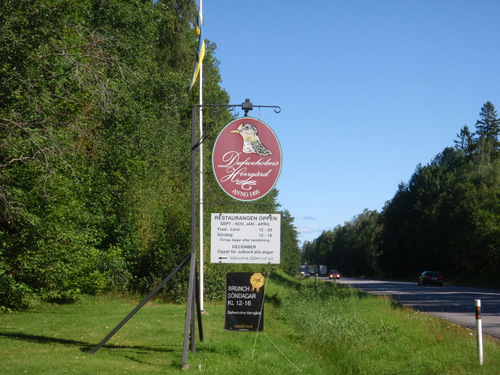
(246, 159)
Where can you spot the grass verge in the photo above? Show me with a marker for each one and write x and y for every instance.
(310, 327)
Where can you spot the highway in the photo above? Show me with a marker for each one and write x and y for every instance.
(453, 303)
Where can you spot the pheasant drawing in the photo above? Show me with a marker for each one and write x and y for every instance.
(251, 141)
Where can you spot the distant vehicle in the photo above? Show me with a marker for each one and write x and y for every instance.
(323, 270)
(430, 277)
(334, 274)
(304, 271)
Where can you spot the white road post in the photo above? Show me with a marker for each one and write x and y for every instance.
(479, 329)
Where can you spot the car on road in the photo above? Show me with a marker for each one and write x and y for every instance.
(334, 274)
(430, 277)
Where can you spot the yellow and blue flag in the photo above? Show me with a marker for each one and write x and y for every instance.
(201, 48)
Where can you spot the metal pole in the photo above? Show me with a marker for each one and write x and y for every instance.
(192, 276)
(201, 184)
(140, 305)
(201, 177)
(479, 329)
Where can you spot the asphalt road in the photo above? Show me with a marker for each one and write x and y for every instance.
(453, 303)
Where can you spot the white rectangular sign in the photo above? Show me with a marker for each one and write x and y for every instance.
(246, 238)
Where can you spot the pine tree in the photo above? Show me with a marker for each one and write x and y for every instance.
(465, 142)
(486, 136)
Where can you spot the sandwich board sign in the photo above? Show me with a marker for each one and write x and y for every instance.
(244, 301)
(246, 159)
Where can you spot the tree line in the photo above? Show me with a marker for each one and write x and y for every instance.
(446, 217)
(95, 142)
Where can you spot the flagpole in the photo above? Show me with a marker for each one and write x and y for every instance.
(200, 116)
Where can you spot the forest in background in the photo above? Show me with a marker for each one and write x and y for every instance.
(446, 218)
(95, 146)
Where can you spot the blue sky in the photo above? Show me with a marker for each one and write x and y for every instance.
(368, 90)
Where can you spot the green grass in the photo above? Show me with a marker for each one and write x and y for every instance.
(310, 327)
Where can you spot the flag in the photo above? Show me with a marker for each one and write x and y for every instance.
(201, 48)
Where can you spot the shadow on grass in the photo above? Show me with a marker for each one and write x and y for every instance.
(82, 345)
(283, 280)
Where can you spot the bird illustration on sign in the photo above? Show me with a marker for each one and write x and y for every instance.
(251, 140)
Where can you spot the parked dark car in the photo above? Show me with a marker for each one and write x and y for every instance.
(334, 274)
(430, 277)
